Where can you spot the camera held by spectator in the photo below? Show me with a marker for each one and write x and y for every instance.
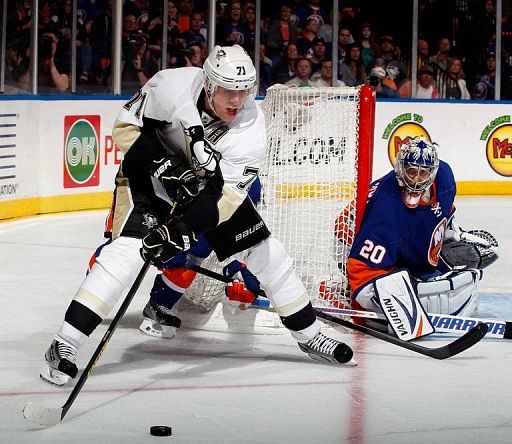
(376, 76)
(135, 42)
(45, 47)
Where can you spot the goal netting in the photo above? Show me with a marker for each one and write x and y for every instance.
(314, 185)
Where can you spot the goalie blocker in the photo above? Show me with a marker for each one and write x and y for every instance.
(405, 302)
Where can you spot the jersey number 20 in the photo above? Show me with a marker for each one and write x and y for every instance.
(373, 253)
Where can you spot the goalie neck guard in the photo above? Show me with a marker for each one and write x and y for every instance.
(416, 167)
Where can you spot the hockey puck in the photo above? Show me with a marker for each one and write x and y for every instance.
(160, 430)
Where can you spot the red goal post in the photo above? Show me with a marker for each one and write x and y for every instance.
(315, 179)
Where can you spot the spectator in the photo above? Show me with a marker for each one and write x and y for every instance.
(299, 13)
(140, 10)
(485, 25)
(178, 55)
(86, 14)
(21, 22)
(455, 86)
(344, 40)
(425, 85)
(184, 10)
(53, 73)
(326, 29)
(265, 71)
(390, 83)
(17, 74)
(423, 53)
(45, 23)
(231, 29)
(138, 66)
(317, 54)
(480, 91)
(442, 57)
(62, 20)
(285, 69)
(387, 48)
(101, 42)
(325, 79)
(196, 59)
(426, 89)
(352, 71)
(349, 16)
(377, 75)
(193, 35)
(172, 21)
(314, 10)
(309, 32)
(369, 46)
(302, 73)
(485, 82)
(249, 20)
(281, 31)
(130, 27)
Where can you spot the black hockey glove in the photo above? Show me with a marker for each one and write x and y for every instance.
(475, 249)
(172, 238)
(177, 177)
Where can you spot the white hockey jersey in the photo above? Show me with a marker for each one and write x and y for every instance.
(171, 98)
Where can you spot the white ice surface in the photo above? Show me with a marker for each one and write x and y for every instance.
(239, 388)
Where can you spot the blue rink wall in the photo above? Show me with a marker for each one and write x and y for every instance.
(58, 154)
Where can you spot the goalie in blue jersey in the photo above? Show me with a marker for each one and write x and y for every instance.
(410, 257)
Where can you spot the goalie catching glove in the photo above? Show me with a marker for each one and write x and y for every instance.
(469, 249)
(167, 241)
(177, 178)
(246, 291)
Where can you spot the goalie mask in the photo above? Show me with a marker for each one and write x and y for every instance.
(230, 68)
(416, 168)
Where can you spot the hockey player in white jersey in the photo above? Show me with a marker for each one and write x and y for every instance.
(194, 137)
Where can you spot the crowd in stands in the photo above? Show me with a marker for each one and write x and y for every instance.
(456, 44)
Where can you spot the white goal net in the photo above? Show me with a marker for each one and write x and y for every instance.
(314, 180)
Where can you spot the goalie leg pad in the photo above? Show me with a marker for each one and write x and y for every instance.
(397, 297)
(455, 294)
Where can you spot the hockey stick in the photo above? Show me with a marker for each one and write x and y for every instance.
(217, 276)
(49, 416)
(443, 323)
(470, 338)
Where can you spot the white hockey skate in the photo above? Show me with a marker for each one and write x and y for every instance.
(60, 363)
(322, 348)
(159, 322)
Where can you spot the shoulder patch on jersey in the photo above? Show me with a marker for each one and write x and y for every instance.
(215, 134)
(436, 242)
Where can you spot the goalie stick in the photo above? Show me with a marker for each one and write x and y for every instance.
(470, 338)
(49, 416)
(443, 323)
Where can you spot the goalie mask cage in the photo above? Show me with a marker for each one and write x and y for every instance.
(315, 180)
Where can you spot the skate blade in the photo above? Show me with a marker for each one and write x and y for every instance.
(54, 377)
(156, 330)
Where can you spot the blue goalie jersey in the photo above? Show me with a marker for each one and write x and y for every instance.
(394, 236)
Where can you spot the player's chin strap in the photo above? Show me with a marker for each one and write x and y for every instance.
(398, 300)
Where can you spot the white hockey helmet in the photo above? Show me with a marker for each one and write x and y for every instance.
(229, 67)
